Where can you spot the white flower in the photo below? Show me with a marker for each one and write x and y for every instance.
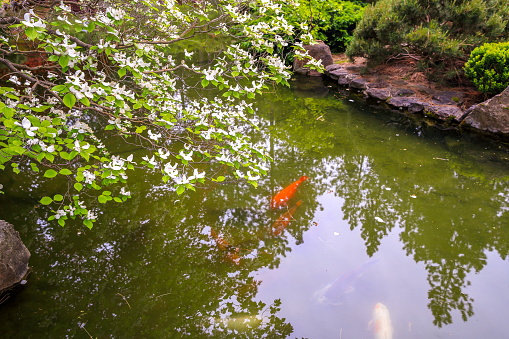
(164, 154)
(59, 214)
(89, 177)
(154, 136)
(77, 146)
(171, 170)
(27, 125)
(14, 79)
(197, 175)
(251, 177)
(182, 181)
(28, 20)
(188, 54)
(188, 157)
(151, 161)
(124, 192)
(91, 215)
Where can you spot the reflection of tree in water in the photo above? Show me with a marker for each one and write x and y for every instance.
(152, 272)
(447, 222)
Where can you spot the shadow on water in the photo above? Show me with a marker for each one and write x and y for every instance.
(160, 265)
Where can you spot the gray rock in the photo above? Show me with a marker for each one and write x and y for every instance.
(332, 67)
(402, 92)
(13, 257)
(490, 116)
(358, 83)
(411, 104)
(318, 51)
(444, 112)
(345, 79)
(448, 98)
(337, 73)
(381, 94)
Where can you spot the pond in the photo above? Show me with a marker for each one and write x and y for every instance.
(401, 229)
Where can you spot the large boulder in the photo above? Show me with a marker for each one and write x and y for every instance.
(319, 51)
(13, 257)
(491, 116)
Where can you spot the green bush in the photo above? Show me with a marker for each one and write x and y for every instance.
(488, 67)
(330, 21)
(437, 31)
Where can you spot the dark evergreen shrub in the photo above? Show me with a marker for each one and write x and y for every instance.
(437, 31)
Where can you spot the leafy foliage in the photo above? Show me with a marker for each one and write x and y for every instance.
(330, 21)
(437, 31)
(488, 67)
(115, 72)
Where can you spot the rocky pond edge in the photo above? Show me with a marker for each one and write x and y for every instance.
(489, 118)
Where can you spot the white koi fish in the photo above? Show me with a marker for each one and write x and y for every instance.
(381, 322)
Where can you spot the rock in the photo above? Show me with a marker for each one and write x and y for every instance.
(444, 112)
(448, 98)
(319, 51)
(491, 116)
(13, 257)
(402, 92)
(332, 67)
(411, 104)
(358, 83)
(381, 94)
(336, 73)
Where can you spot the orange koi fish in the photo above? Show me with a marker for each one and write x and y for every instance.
(282, 197)
(284, 220)
(223, 245)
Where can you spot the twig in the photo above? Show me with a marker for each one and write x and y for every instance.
(127, 302)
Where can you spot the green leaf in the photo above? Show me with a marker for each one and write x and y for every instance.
(34, 167)
(180, 190)
(102, 199)
(17, 149)
(85, 101)
(65, 155)
(31, 33)
(204, 83)
(69, 100)
(220, 179)
(78, 186)
(46, 201)
(91, 26)
(50, 173)
(65, 171)
(140, 129)
(60, 88)
(58, 197)
(121, 72)
(61, 222)
(88, 223)
(63, 60)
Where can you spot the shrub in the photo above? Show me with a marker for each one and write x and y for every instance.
(488, 67)
(438, 31)
(331, 21)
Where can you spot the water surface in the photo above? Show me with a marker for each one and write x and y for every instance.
(395, 211)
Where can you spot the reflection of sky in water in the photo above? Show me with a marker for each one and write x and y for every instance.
(394, 280)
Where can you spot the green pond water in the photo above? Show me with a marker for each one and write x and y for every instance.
(394, 211)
